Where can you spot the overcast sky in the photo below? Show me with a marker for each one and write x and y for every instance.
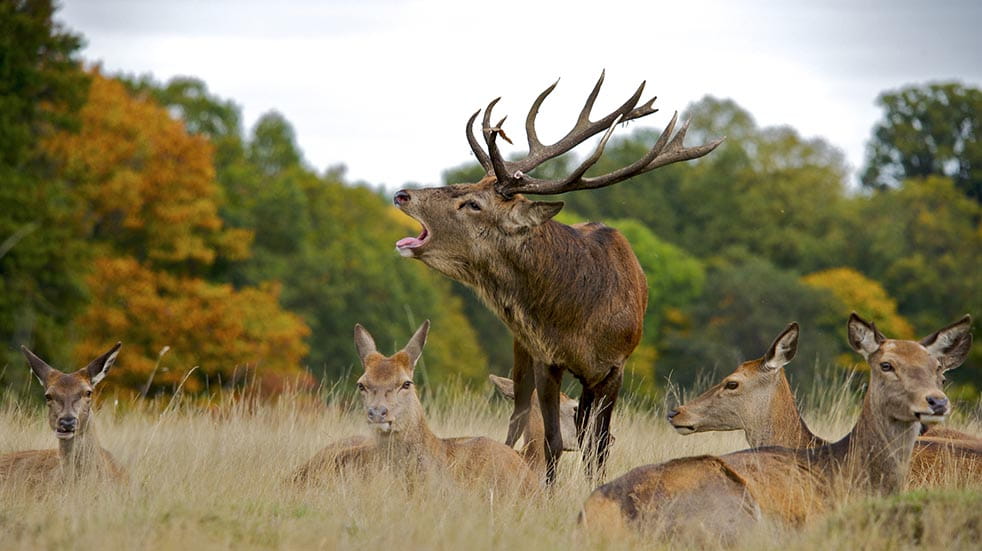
(385, 87)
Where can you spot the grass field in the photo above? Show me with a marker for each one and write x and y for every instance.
(214, 477)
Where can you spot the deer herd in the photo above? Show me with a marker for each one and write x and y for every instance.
(574, 298)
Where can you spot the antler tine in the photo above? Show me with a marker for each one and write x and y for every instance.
(482, 157)
(584, 118)
(533, 136)
(594, 157)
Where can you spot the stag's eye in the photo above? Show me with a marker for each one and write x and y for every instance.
(361, 387)
(886, 367)
(406, 385)
(470, 204)
(731, 385)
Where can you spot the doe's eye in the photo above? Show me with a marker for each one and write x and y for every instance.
(48, 397)
(731, 385)
(88, 393)
(886, 367)
(406, 385)
(361, 387)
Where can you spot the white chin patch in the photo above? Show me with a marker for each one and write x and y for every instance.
(405, 252)
(684, 430)
(931, 419)
(384, 427)
(65, 435)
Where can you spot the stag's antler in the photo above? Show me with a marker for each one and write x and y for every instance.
(512, 176)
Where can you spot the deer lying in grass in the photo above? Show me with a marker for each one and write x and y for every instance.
(757, 399)
(723, 495)
(403, 440)
(533, 431)
(573, 296)
(69, 402)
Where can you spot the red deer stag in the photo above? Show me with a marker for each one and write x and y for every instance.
(69, 400)
(402, 437)
(757, 399)
(730, 492)
(572, 296)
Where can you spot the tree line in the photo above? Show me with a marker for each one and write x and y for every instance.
(145, 212)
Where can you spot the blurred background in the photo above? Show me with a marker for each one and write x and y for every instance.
(210, 182)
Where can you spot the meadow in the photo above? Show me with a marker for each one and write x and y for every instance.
(215, 475)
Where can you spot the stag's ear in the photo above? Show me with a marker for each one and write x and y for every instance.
(41, 370)
(950, 344)
(504, 385)
(415, 345)
(99, 367)
(528, 214)
(783, 349)
(364, 342)
(863, 336)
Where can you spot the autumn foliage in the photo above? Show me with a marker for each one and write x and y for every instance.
(150, 202)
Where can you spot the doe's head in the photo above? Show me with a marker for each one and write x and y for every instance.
(386, 387)
(906, 376)
(742, 396)
(69, 395)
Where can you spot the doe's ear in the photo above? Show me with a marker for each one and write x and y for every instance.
(99, 367)
(783, 349)
(863, 336)
(415, 345)
(950, 344)
(504, 385)
(364, 342)
(40, 369)
(529, 214)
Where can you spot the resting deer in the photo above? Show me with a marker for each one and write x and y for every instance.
(732, 491)
(533, 431)
(573, 296)
(757, 399)
(403, 439)
(69, 402)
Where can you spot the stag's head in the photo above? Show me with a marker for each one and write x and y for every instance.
(386, 387)
(741, 396)
(464, 222)
(69, 395)
(906, 376)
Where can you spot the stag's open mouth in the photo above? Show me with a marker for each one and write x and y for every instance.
(406, 245)
(930, 418)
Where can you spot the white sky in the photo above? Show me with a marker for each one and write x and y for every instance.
(386, 86)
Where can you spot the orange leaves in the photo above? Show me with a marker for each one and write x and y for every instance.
(856, 292)
(228, 333)
(148, 185)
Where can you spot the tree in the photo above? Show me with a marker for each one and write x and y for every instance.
(928, 130)
(41, 258)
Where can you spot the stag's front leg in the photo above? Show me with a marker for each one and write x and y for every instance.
(523, 376)
(597, 447)
(547, 382)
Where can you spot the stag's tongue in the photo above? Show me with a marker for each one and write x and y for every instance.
(405, 244)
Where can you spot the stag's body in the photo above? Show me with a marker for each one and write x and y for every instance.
(762, 404)
(69, 414)
(572, 296)
(402, 438)
(791, 485)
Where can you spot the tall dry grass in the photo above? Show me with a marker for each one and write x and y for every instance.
(214, 476)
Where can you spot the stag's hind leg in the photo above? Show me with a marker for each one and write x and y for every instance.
(600, 408)
(523, 376)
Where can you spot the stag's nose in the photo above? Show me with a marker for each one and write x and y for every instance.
(377, 414)
(401, 197)
(67, 424)
(939, 405)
